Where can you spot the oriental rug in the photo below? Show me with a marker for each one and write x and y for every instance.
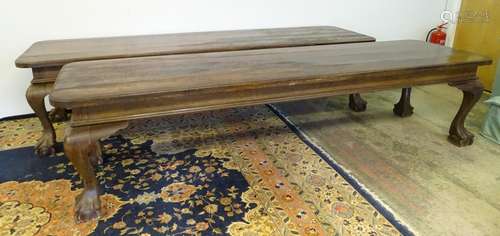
(229, 172)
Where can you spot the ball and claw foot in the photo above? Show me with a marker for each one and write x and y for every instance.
(461, 137)
(46, 145)
(356, 103)
(403, 110)
(87, 206)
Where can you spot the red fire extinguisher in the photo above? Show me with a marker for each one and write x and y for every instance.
(437, 35)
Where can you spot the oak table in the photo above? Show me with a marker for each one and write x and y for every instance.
(105, 95)
(46, 58)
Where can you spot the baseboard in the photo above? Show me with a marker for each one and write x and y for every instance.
(16, 117)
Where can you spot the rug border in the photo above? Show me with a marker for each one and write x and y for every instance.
(370, 197)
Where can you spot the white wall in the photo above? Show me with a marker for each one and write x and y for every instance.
(23, 22)
(453, 6)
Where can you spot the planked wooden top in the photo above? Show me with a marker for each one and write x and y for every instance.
(104, 81)
(60, 52)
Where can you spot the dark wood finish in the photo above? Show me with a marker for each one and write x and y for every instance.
(403, 108)
(102, 93)
(47, 57)
(472, 90)
(356, 103)
(348, 66)
(56, 53)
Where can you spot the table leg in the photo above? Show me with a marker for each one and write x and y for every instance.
(59, 115)
(97, 155)
(472, 90)
(35, 95)
(403, 108)
(357, 103)
(82, 147)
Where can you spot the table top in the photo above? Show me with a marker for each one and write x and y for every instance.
(60, 52)
(103, 81)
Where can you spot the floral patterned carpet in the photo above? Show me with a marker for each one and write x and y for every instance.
(231, 172)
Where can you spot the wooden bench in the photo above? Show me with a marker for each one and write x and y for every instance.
(105, 95)
(47, 57)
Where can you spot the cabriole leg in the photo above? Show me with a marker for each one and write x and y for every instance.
(403, 108)
(96, 156)
(78, 149)
(82, 147)
(472, 90)
(35, 96)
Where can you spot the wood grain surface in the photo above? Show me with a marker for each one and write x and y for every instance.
(46, 58)
(55, 53)
(104, 81)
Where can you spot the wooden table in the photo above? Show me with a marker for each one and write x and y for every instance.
(47, 57)
(105, 95)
